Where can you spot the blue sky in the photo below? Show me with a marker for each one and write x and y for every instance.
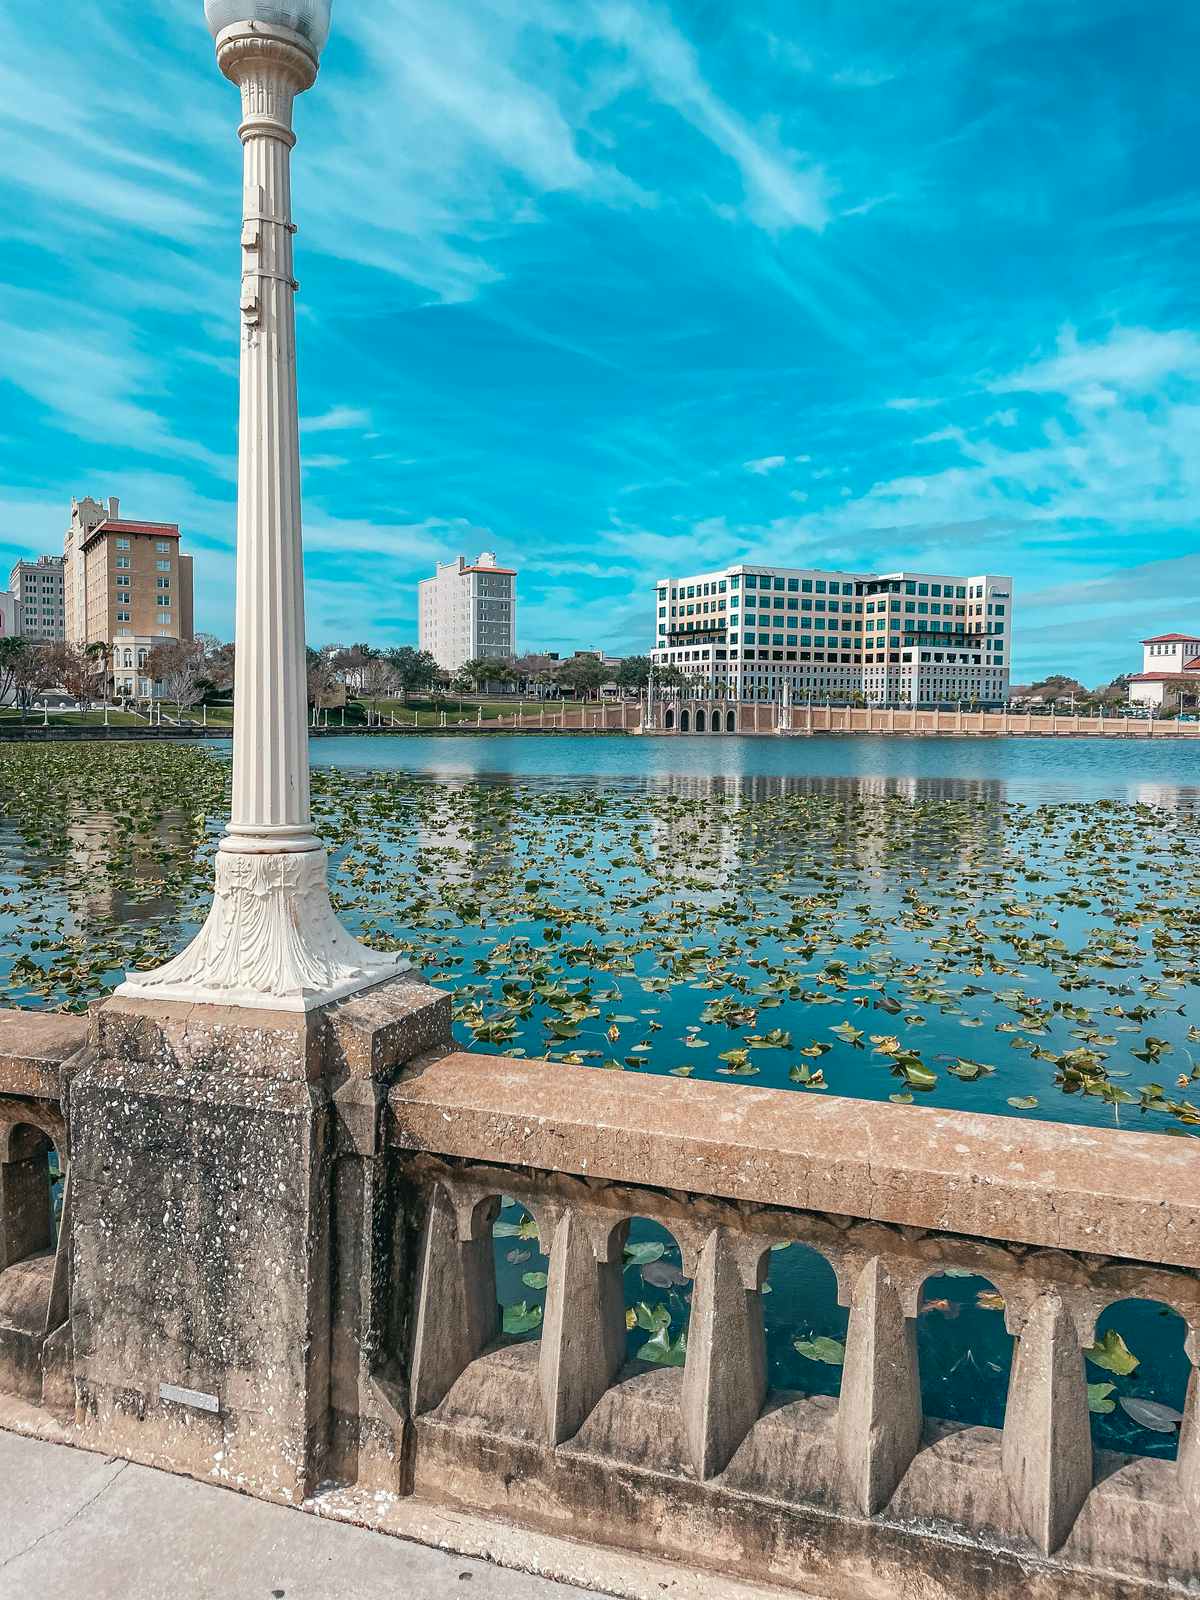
(620, 287)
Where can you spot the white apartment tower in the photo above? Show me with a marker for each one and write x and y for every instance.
(910, 638)
(37, 591)
(468, 611)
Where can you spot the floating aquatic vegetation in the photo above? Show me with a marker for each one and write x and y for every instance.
(701, 930)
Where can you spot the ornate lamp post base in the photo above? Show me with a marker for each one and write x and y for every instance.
(271, 942)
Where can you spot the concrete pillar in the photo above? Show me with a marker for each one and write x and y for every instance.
(457, 1313)
(25, 1221)
(879, 1413)
(583, 1327)
(1047, 1448)
(725, 1374)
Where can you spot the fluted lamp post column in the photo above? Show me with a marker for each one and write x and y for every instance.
(271, 939)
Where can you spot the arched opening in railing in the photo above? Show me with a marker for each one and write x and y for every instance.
(805, 1327)
(522, 1273)
(684, 721)
(964, 1349)
(731, 722)
(658, 1297)
(30, 1193)
(1137, 1374)
(669, 717)
(700, 722)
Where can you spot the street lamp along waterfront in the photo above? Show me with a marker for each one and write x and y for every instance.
(271, 939)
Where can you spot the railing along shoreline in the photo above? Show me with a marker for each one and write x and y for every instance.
(381, 1158)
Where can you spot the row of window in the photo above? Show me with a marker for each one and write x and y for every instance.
(163, 546)
(753, 580)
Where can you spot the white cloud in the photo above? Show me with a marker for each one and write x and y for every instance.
(337, 419)
(910, 403)
(1129, 360)
(765, 464)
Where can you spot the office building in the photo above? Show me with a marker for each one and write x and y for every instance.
(889, 638)
(468, 612)
(126, 585)
(37, 590)
(9, 627)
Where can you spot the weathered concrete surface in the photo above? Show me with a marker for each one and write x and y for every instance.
(1130, 1195)
(86, 1524)
(235, 1236)
(33, 1047)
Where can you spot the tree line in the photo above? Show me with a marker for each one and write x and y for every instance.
(190, 671)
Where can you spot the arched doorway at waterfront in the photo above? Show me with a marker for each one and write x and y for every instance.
(731, 722)
(700, 721)
(684, 721)
(669, 717)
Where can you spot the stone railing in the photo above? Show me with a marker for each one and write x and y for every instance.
(35, 1053)
(700, 717)
(282, 1274)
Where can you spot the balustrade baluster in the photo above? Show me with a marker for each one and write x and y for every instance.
(457, 1312)
(1187, 1465)
(879, 1414)
(583, 1329)
(1047, 1448)
(725, 1375)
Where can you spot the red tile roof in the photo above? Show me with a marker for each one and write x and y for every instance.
(1161, 677)
(1170, 638)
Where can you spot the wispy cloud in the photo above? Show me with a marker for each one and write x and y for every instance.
(338, 419)
(765, 464)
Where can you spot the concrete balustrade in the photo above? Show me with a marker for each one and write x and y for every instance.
(282, 1272)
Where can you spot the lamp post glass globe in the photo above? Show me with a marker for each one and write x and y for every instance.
(309, 18)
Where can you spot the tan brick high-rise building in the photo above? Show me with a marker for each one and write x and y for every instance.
(126, 586)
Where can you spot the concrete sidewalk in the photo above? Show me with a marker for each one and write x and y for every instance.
(73, 1523)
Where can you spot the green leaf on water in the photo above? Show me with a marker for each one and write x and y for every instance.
(1098, 1400)
(641, 1255)
(830, 1351)
(662, 1351)
(522, 1318)
(1113, 1354)
(1023, 1102)
(534, 1280)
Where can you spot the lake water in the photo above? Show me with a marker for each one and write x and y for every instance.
(1000, 925)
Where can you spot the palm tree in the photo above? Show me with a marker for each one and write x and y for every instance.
(98, 654)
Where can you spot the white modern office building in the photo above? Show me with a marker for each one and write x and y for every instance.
(468, 612)
(898, 638)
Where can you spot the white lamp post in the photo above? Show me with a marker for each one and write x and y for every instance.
(271, 939)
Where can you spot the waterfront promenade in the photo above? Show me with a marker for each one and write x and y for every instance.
(138, 1534)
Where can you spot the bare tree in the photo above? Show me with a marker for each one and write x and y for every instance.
(220, 664)
(33, 672)
(322, 676)
(179, 665)
(70, 666)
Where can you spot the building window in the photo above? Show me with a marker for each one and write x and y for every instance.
(123, 616)
(122, 561)
(122, 544)
(163, 547)
(162, 566)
